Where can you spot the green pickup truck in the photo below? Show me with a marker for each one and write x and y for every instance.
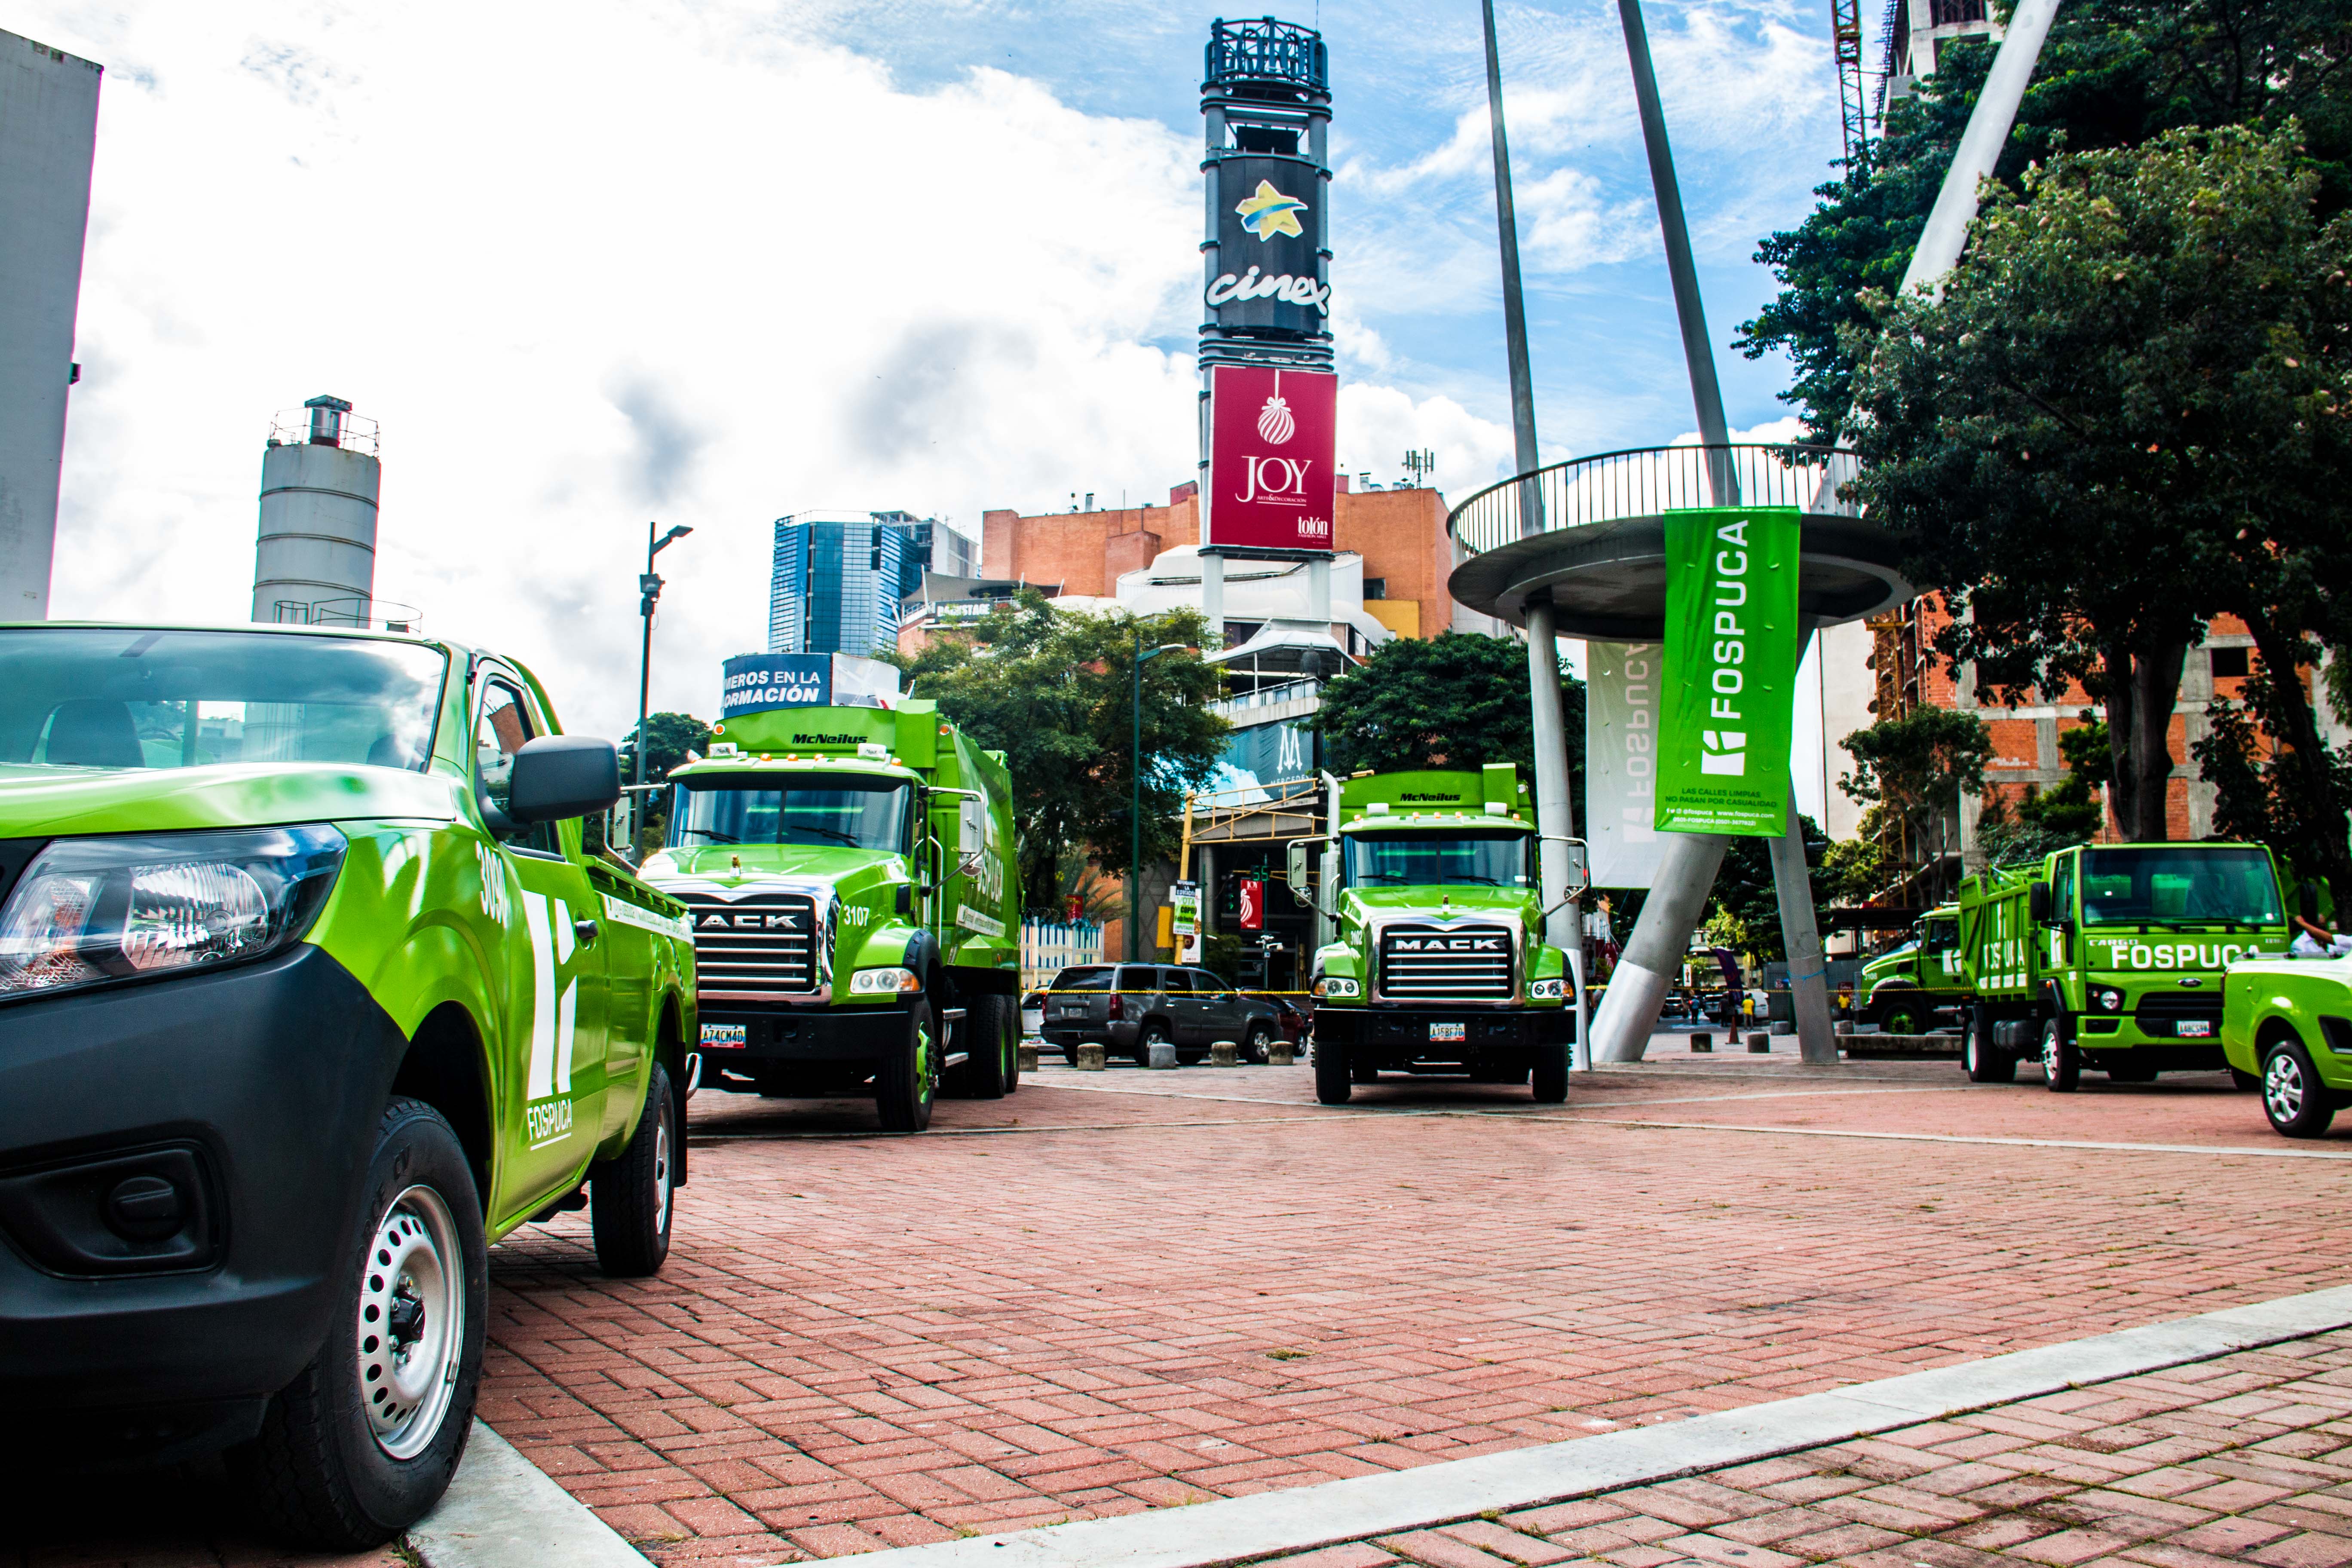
(2286, 1022)
(308, 994)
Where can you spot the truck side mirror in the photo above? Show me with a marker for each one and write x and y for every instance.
(1300, 889)
(621, 825)
(1579, 868)
(971, 827)
(561, 776)
(2037, 902)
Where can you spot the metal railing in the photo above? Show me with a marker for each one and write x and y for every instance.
(1643, 482)
(1267, 50)
(1266, 696)
(306, 427)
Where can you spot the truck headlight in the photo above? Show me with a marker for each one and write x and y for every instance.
(1337, 985)
(90, 910)
(1547, 990)
(2110, 999)
(883, 982)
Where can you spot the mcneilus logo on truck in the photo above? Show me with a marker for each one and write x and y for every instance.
(1431, 882)
(307, 995)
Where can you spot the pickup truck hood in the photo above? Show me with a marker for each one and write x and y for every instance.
(732, 865)
(45, 802)
(1439, 904)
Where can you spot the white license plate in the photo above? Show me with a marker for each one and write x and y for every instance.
(1449, 1031)
(1078, 1011)
(729, 1035)
(2192, 1028)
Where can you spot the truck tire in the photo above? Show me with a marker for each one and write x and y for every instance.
(1551, 1075)
(2297, 1103)
(2062, 1059)
(363, 1443)
(1905, 1016)
(989, 1061)
(1333, 1083)
(907, 1080)
(1983, 1060)
(629, 1196)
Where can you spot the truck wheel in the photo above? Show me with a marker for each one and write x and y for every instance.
(909, 1078)
(989, 1063)
(1983, 1061)
(629, 1195)
(1903, 1018)
(1551, 1075)
(363, 1443)
(2297, 1103)
(1258, 1045)
(1146, 1037)
(1333, 1080)
(2061, 1061)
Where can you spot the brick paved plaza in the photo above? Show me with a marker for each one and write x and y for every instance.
(1125, 1291)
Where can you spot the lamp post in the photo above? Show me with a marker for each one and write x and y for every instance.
(649, 589)
(1135, 804)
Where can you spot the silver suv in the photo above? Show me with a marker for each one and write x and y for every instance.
(1127, 1007)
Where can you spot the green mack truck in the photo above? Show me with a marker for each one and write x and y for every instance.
(845, 856)
(1439, 963)
(1905, 988)
(308, 994)
(2111, 956)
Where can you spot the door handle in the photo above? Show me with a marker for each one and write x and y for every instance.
(585, 930)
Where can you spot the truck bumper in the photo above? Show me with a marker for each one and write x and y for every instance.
(778, 1035)
(1117, 1035)
(1416, 1029)
(253, 1091)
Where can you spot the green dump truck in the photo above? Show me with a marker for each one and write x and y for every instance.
(308, 994)
(844, 856)
(1908, 988)
(2111, 956)
(1439, 966)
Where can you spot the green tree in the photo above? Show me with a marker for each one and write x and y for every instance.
(1914, 769)
(1745, 908)
(2261, 792)
(1052, 690)
(2127, 414)
(669, 736)
(2114, 73)
(1452, 700)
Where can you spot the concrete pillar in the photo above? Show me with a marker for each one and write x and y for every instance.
(1212, 599)
(1654, 953)
(1555, 811)
(1800, 939)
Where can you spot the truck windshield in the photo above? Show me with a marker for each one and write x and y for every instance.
(1430, 859)
(97, 697)
(2189, 883)
(811, 808)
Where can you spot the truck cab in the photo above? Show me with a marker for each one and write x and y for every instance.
(1438, 964)
(1907, 988)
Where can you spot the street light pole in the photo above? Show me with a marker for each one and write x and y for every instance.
(1135, 801)
(649, 589)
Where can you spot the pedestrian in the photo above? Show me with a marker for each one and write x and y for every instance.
(2316, 941)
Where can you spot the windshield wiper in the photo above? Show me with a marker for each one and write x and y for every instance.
(1482, 881)
(713, 833)
(833, 833)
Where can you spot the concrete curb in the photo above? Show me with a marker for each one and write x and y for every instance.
(1299, 1519)
(503, 1511)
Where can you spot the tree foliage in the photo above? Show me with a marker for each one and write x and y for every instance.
(1745, 907)
(669, 738)
(2262, 792)
(1912, 769)
(2114, 73)
(2127, 414)
(1053, 691)
(1453, 701)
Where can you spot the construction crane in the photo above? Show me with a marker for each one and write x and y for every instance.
(1845, 35)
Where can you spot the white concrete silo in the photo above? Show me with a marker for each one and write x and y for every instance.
(314, 562)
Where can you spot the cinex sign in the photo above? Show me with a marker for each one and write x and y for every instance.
(1272, 436)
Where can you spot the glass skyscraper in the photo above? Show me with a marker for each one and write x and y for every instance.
(838, 578)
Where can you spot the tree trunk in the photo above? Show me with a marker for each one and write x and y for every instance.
(2313, 797)
(2143, 688)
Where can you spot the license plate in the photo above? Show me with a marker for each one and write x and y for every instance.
(730, 1035)
(1076, 1011)
(1449, 1031)
(2193, 1028)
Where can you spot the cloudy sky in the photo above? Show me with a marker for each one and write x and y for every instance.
(599, 262)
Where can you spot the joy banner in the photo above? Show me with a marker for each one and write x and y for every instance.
(1731, 670)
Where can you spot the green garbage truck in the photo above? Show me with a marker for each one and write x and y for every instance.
(845, 856)
(1912, 985)
(308, 994)
(1439, 963)
(2111, 957)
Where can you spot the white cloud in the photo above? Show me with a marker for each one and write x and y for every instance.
(1377, 424)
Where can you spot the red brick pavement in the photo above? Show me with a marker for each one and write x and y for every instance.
(2246, 1460)
(1146, 1296)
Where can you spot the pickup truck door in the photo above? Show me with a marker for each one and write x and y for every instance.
(552, 1063)
(1184, 1007)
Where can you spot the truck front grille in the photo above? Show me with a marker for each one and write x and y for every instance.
(1450, 963)
(2167, 1008)
(751, 948)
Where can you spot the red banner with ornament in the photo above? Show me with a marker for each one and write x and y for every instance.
(1272, 436)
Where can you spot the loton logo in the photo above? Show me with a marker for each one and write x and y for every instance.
(1723, 751)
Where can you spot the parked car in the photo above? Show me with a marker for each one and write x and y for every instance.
(1033, 1015)
(1293, 1019)
(1127, 1008)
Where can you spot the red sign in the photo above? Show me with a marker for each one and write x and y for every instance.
(1253, 904)
(1272, 433)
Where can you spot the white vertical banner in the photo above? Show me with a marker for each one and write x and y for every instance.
(1621, 761)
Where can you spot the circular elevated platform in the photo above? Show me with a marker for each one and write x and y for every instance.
(1601, 560)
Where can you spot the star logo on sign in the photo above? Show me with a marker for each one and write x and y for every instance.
(1269, 213)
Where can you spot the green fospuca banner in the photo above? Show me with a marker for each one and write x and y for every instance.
(1731, 670)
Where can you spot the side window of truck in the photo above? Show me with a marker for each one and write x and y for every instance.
(501, 725)
(2062, 892)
